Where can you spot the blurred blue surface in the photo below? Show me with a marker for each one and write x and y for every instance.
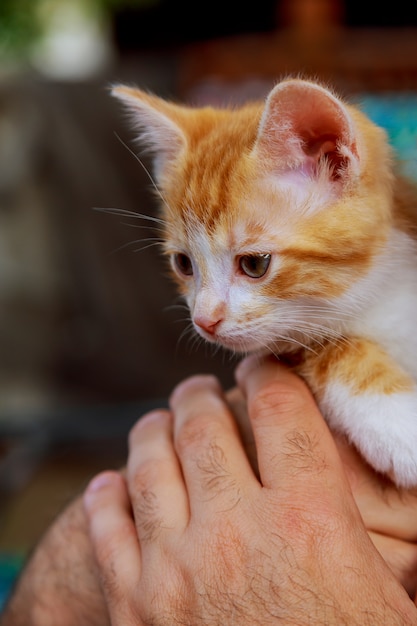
(10, 565)
(397, 113)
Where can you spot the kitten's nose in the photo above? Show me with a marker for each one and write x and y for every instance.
(207, 323)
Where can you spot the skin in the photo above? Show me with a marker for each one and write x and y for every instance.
(193, 533)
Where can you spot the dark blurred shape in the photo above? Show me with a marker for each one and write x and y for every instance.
(381, 14)
(169, 23)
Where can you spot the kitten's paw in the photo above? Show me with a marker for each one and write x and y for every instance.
(390, 452)
(383, 428)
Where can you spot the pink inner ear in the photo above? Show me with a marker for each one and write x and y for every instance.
(326, 146)
(304, 124)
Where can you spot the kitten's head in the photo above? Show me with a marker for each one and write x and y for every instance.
(274, 212)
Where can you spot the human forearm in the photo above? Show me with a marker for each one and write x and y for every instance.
(59, 584)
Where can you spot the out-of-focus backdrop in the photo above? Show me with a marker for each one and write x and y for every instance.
(88, 337)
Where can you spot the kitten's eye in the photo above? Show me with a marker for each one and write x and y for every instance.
(254, 265)
(183, 264)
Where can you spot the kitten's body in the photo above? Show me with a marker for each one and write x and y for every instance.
(289, 232)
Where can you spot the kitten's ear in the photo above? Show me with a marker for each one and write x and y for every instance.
(158, 122)
(304, 126)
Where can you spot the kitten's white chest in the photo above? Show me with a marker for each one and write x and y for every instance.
(391, 318)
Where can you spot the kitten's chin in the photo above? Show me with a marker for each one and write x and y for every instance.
(239, 345)
(245, 345)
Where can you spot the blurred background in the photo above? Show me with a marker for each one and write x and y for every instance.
(88, 336)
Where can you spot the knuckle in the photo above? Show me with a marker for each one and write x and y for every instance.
(145, 502)
(217, 479)
(276, 398)
(303, 446)
(196, 432)
(141, 483)
(143, 476)
(148, 519)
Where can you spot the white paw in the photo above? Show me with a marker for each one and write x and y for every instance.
(382, 427)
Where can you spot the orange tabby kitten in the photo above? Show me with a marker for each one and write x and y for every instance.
(288, 231)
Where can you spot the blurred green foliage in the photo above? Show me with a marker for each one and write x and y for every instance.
(18, 26)
(22, 22)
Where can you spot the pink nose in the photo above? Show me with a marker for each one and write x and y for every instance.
(208, 324)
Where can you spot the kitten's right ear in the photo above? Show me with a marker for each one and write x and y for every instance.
(159, 123)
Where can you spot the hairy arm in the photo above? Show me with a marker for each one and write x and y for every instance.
(59, 584)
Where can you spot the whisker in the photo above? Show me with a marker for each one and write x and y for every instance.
(298, 342)
(145, 169)
(142, 226)
(188, 333)
(181, 320)
(195, 340)
(128, 213)
(136, 241)
(176, 307)
(150, 245)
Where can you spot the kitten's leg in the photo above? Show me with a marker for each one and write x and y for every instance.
(366, 395)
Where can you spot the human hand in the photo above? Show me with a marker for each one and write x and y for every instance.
(192, 536)
(388, 513)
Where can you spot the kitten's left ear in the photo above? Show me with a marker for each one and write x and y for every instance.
(303, 127)
(159, 123)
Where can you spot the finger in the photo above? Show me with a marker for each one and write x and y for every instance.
(237, 403)
(401, 557)
(290, 433)
(212, 457)
(384, 507)
(113, 537)
(155, 482)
